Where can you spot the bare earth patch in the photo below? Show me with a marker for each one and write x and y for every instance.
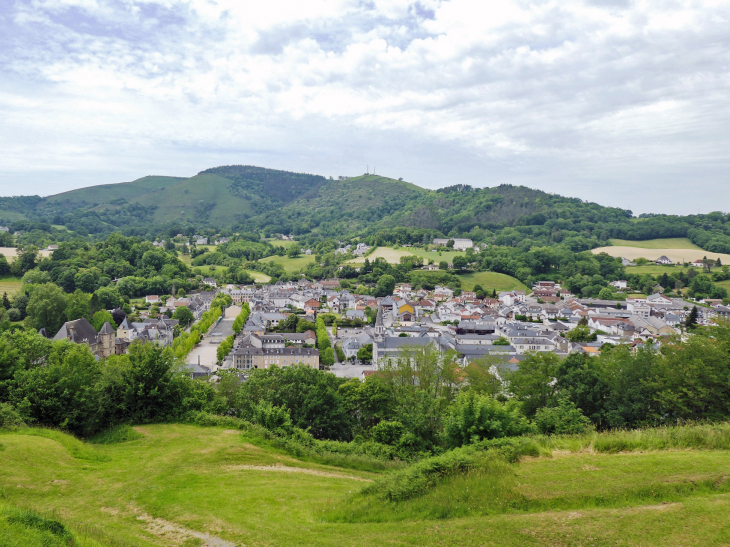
(287, 469)
(176, 534)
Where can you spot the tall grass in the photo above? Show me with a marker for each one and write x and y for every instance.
(115, 435)
(681, 437)
(479, 479)
(301, 445)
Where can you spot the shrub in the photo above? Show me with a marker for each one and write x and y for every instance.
(475, 417)
(9, 417)
(564, 419)
(388, 432)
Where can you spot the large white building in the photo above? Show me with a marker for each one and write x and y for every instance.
(460, 244)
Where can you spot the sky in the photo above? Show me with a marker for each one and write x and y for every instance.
(613, 101)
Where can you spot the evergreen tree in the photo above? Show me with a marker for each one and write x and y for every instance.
(691, 321)
(6, 302)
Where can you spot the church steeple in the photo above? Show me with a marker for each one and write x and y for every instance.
(379, 326)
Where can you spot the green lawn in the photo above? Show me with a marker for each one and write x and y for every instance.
(291, 265)
(182, 481)
(9, 284)
(669, 243)
(491, 280)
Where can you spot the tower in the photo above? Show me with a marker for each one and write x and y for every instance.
(379, 327)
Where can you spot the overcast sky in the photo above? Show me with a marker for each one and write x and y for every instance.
(619, 102)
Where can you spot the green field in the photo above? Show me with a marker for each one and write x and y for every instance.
(654, 269)
(669, 243)
(183, 485)
(9, 285)
(491, 280)
(291, 265)
(281, 243)
(725, 284)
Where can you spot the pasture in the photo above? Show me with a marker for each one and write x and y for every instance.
(491, 280)
(291, 265)
(393, 255)
(9, 284)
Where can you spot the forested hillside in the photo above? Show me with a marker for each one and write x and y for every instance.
(268, 201)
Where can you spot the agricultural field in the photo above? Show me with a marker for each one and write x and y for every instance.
(674, 254)
(9, 284)
(11, 253)
(393, 255)
(184, 485)
(669, 243)
(281, 243)
(491, 280)
(437, 257)
(654, 269)
(290, 265)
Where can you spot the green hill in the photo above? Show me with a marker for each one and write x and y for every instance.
(184, 485)
(106, 194)
(341, 207)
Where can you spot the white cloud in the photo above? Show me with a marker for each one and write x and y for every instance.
(576, 97)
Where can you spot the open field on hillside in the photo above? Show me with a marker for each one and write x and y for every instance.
(676, 255)
(725, 284)
(654, 269)
(281, 243)
(448, 256)
(182, 485)
(669, 243)
(9, 284)
(11, 253)
(392, 256)
(491, 280)
(290, 265)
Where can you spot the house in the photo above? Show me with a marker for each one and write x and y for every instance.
(210, 282)
(152, 299)
(81, 331)
(430, 267)
(621, 285)
(351, 346)
(4, 229)
(698, 264)
(356, 315)
(201, 241)
(664, 260)
(250, 355)
(627, 262)
(404, 311)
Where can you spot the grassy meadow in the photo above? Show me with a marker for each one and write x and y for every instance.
(9, 284)
(491, 280)
(185, 485)
(290, 265)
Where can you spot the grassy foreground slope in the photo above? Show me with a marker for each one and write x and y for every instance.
(187, 485)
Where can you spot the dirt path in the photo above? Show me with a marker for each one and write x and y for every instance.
(287, 469)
